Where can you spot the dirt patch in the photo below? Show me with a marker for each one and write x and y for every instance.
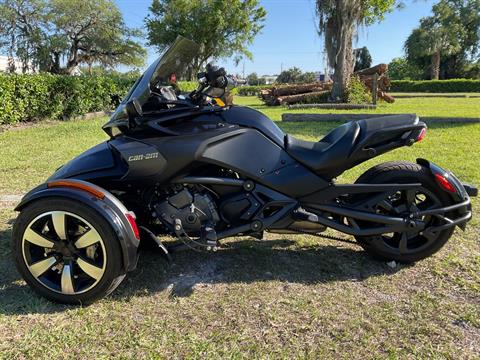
(9, 201)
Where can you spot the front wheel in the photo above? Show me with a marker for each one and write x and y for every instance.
(406, 246)
(66, 251)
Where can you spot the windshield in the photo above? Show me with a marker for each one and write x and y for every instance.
(174, 64)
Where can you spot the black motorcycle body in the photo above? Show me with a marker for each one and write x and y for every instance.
(201, 171)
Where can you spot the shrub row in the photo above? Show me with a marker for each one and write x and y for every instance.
(45, 96)
(251, 90)
(436, 86)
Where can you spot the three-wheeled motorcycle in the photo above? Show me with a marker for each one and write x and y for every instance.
(195, 167)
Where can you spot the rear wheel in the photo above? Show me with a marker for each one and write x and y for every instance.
(66, 251)
(406, 246)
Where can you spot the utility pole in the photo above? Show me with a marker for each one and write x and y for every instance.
(281, 67)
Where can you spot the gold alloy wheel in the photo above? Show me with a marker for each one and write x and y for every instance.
(64, 253)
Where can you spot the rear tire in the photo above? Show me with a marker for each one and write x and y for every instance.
(383, 247)
(53, 260)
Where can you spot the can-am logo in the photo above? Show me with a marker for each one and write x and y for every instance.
(143, 157)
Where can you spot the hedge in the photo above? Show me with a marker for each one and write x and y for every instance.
(45, 96)
(436, 86)
(251, 90)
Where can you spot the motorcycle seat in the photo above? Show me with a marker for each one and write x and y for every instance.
(333, 154)
(327, 153)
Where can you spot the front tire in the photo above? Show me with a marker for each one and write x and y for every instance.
(405, 247)
(66, 251)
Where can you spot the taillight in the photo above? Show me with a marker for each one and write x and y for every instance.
(422, 134)
(133, 224)
(443, 182)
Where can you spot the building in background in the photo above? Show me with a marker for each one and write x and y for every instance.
(269, 79)
(5, 62)
(322, 77)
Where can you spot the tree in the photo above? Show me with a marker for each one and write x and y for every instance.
(363, 59)
(401, 69)
(290, 76)
(432, 39)
(222, 27)
(338, 23)
(59, 35)
(252, 79)
(96, 33)
(308, 77)
(448, 38)
(22, 29)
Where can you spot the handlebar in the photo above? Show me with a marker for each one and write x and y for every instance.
(213, 78)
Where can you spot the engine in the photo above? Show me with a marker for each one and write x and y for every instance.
(193, 208)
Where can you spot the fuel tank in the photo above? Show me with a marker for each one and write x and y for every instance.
(251, 118)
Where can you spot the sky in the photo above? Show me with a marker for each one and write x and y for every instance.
(289, 37)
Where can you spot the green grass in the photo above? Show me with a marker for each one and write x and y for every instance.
(440, 107)
(291, 296)
(428, 95)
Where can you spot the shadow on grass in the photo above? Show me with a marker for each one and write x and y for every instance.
(244, 261)
(249, 261)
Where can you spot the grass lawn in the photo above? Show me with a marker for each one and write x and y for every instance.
(291, 296)
(440, 107)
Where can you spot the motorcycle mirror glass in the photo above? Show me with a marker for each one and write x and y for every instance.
(134, 108)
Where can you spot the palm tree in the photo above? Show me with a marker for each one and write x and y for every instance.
(434, 40)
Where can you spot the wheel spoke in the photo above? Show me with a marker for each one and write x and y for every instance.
(58, 218)
(410, 197)
(91, 270)
(67, 281)
(40, 267)
(37, 239)
(402, 246)
(89, 238)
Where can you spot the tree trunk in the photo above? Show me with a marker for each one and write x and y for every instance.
(343, 67)
(435, 70)
(72, 60)
(342, 29)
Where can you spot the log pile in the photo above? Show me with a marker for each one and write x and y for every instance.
(293, 94)
(383, 81)
(318, 91)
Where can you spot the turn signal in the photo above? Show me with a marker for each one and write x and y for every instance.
(219, 102)
(133, 224)
(444, 183)
(422, 134)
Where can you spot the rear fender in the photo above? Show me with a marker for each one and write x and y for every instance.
(100, 200)
(460, 195)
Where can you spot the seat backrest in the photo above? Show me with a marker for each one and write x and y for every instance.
(340, 132)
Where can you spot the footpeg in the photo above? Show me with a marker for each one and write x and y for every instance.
(302, 214)
(210, 236)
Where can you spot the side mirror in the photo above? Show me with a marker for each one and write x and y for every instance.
(134, 109)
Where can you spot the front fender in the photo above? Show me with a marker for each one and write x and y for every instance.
(107, 205)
